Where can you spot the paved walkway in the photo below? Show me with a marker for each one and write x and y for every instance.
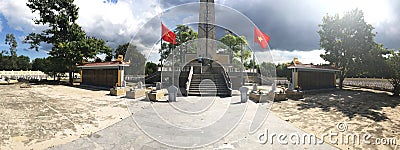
(195, 122)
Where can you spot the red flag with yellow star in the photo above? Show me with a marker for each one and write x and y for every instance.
(167, 35)
(261, 38)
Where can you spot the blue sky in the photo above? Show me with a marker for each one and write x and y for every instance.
(292, 25)
(22, 49)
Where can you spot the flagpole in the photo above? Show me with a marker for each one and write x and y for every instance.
(161, 47)
(254, 56)
(161, 60)
(173, 63)
(254, 47)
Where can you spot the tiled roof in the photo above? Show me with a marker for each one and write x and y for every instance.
(310, 66)
(109, 63)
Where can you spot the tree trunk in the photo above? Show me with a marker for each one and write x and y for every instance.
(396, 89)
(71, 77)
(341, 79)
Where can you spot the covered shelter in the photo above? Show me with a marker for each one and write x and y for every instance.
(311, 77)
(104, 74)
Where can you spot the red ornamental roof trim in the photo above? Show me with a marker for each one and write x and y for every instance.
(104, 64)
(312, 67)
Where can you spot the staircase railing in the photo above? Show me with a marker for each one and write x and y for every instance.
(227, 81)
(189, 80)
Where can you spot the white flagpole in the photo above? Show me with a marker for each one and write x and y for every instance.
(254, 48)
(173, 63)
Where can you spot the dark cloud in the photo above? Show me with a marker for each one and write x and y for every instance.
(293, 25)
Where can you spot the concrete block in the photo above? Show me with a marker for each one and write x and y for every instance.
(172, 93)
(136, 93)
(155, 95)
(117, 91)
(243, 94)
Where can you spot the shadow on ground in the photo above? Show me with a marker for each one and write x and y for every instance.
(351, 103)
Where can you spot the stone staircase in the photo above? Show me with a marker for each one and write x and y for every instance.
(209, 84)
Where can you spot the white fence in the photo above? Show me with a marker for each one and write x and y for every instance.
(28, 75)
(379, 84)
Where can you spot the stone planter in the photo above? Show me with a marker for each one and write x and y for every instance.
(136, 93)
(263, 97)
(280, 96)
(256, 97)
(155, 95)
(117, 91)
(294, 95)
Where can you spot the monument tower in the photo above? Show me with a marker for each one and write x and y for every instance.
(206, 31)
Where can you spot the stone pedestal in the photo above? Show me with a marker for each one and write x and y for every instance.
(118, 91)
(158, 86)
(172, 93)
(155, 95)
(255, 88)
(243, 94)
(136, 93)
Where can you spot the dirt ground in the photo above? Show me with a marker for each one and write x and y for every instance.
(362, 111)
(48, 115)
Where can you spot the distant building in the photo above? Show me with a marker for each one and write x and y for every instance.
(311, 77)
(104, 74)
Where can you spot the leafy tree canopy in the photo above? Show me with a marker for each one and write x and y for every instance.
(237, 47)
(346, 41)
(394, 68)
(69, 41)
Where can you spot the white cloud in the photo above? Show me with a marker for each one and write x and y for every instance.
(19, 16)
(306, 57)
(115, 23)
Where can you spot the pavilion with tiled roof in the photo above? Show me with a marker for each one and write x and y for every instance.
(103, 74)
(311, 77)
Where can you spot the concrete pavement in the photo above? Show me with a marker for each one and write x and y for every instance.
(195, 122)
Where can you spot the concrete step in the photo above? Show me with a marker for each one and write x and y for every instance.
(214, 80)
(218, 87)
(210, 91)
(208, 94)
(207, 86)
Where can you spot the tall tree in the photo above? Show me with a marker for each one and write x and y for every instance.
(10, 40)
(283, 71)
(69, 41)
(151, 68)
(346, 41)
(47, 65)
(23, 63)
(237, 47)
(121, 50)
(376, 64)
(394, 74)
(137, 61)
